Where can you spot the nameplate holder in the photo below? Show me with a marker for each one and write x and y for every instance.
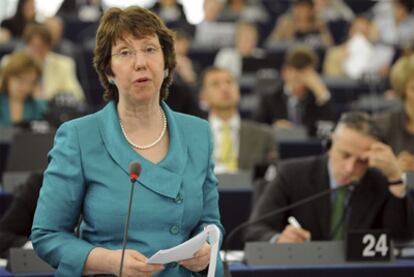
(26, 261)
(313, 252)
(369, 246)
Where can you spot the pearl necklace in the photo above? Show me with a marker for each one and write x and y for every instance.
(144, 147)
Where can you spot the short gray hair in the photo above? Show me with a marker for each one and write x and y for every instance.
(361, 122)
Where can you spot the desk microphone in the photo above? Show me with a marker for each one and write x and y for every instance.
(134, 172)
(276, 212)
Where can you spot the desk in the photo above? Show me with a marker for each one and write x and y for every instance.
(400, 268)
(5, 273)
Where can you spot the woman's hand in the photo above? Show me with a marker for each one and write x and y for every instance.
(199, 261)
(104, 261)
(135, 264)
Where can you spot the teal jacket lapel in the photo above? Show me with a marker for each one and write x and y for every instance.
(165, 177)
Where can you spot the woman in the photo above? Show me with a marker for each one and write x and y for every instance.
(19, 79)
(246, 41)
(176, 194)
(13, 27)
(398, 125)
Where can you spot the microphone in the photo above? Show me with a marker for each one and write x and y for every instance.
(134, 172)
(293, 205)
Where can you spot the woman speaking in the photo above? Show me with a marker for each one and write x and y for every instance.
(176, 194)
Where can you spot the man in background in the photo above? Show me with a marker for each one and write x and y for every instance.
(379, 200)
(302, 99)
(239, 144)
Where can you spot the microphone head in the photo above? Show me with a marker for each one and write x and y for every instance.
(134, 170)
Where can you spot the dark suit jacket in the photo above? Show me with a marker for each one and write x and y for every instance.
(274, 107)
(372, 206)
(257, 145)
(16, 224)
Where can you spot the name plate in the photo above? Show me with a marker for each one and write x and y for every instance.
(368, 245)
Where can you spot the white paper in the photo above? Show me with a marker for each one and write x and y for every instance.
(187, 249)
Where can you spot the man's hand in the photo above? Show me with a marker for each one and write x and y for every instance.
(293, 234)
(381, 157)
(283, 123)
(315, 84)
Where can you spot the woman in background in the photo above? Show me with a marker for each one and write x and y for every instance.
(13, 27)
(18, 81)
(398, 125)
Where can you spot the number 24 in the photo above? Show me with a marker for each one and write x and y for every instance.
(371, 247)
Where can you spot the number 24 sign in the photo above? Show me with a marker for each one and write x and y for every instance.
(372, 245)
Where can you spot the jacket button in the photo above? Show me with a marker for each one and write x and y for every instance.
(174, 230)
(179, 199)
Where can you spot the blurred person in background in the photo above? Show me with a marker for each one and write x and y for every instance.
(301, 99)
(333, 10)
(244, 10)
(59, 72)
(185, 70)
(184, 85)
(19, 79)
(172, 13)
(238, 144)
(13, 28)
(246, 41)
(212, 33)
(60, 45)
(398, 125)
(301, 25)
(359, 50)
(212, 10)
(395, 22)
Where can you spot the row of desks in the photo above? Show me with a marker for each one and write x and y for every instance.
(399, 268)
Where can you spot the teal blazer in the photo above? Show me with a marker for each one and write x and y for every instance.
(33, 110)
(88, 174)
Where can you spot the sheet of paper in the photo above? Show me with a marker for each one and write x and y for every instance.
(187, 249)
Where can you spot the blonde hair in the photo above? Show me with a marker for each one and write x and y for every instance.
(401, 73)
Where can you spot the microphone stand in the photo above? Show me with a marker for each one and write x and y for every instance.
(124, 241)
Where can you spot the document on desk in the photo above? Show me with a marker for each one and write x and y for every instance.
(187, 249)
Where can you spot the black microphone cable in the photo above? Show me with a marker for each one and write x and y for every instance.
(134, 172)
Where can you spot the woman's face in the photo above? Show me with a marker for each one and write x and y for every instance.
(246, 40)
(23, 85)
(38, 48)
(29, 10)
(138, 67)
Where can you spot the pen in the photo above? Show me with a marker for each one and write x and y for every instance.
(292, 221)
